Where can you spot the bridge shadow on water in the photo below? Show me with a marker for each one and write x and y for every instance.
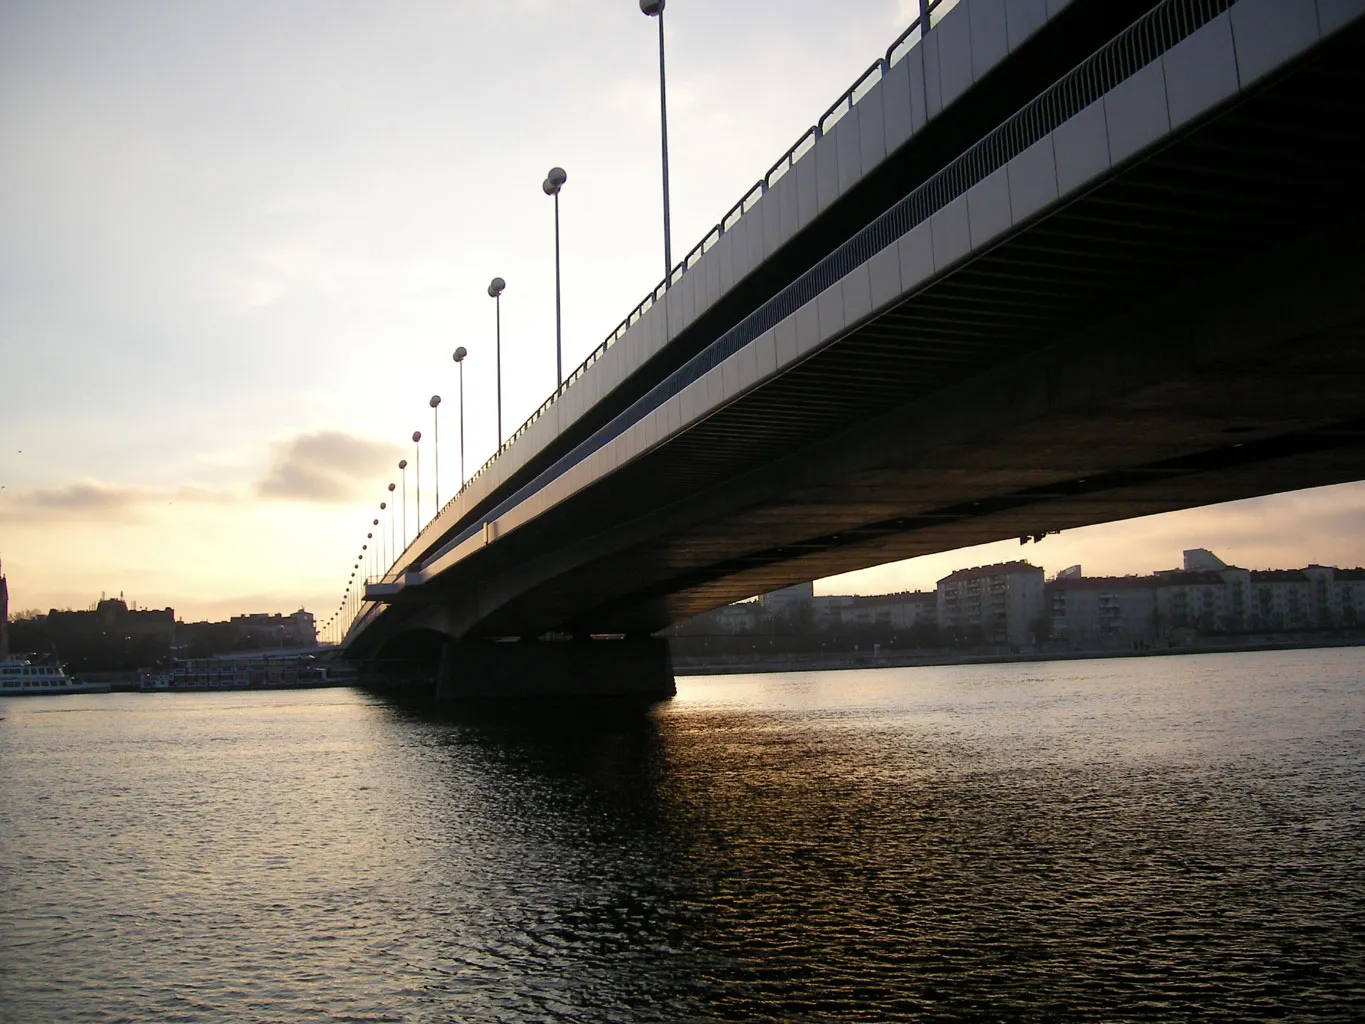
(612, 745)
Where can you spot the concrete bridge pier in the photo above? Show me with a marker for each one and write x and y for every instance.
(580, 667)
(394, 675)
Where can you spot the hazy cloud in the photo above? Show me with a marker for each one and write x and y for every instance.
(326, 467)
(94, 501)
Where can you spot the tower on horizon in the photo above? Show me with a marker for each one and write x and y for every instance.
(4, 614)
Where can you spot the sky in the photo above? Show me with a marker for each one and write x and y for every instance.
(240, 241)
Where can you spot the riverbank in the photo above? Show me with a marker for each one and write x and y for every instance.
(842, 660)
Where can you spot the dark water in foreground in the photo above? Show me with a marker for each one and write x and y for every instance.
(1149, 839)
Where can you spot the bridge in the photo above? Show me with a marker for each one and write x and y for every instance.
(1046, 264)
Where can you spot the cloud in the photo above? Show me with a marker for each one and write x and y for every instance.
(92, 500)
(326, 467)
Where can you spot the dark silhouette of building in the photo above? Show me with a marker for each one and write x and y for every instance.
(4, 614)
(108, 638)
(265, 630)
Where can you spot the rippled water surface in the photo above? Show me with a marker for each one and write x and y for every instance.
(1144, 839)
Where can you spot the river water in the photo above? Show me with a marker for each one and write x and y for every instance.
(1170, 838)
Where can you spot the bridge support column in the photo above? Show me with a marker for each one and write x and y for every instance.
(640, 666)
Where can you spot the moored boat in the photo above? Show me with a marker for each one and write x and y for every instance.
(255, 670)
(23, 675)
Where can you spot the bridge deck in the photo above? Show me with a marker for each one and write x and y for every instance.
(1175, 327)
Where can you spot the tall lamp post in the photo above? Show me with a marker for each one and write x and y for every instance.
(384, 541)
(435, 404)
(655, 9)
(459, 355)
(554, 181)
(392, 538)
(495, 289)
(417, 474)
(403, 468)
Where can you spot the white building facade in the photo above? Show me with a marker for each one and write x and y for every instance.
(1103, 612)
(998, 604)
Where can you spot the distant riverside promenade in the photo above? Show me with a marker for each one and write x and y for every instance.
(835, 660)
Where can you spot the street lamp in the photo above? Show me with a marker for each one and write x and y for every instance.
(554, 181)
(417, 474)
(383, 541)
(459, 355)
(655, 9)
(392, 538)
(403, 467)
(435, 404)
(495, 288)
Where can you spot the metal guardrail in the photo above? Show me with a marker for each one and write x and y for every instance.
(1132, 49)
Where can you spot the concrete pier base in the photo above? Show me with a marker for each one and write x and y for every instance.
(640, 667)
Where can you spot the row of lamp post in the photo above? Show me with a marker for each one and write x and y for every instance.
(372, 556)
(553, 184)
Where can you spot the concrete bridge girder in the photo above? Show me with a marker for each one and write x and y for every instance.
(1079, 386)
(1143, 370)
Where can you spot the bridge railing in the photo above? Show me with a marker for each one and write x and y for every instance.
(903, 44)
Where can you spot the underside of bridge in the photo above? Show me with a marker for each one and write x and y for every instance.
(1189, 331)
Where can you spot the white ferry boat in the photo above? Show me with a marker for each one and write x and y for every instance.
(21, 676)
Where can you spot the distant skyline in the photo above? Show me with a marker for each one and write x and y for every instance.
(1325, 525)
(239, 242)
